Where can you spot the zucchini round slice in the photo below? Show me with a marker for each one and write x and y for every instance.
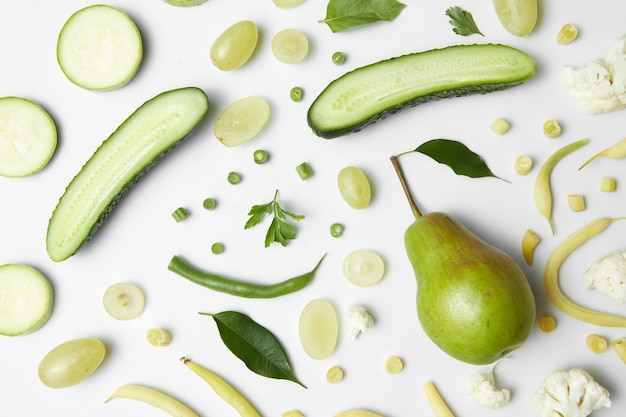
(370, 93)
(28, 137)
(122, 159)
(99, 48)
(26, 299)
(185, 3)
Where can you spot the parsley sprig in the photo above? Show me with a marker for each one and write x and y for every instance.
(463, 21)
(280, 230)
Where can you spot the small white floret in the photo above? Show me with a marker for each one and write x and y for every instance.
(608, 276)
(483, 389)
(359, 321)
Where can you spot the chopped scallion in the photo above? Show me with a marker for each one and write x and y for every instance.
(260, 156)
(180, 214)
(296, 94)
(234, 177)
(209, 203)
(304, 171)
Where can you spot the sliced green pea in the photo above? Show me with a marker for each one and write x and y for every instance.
(234, 177)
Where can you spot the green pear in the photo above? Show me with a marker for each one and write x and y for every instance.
(473, 299)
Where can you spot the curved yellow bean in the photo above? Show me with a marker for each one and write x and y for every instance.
(551, 275)
(542, 192)
(615, 151)
(436, 402)
(223, 389)
(530, 240)
(358, 413)
(154, 398)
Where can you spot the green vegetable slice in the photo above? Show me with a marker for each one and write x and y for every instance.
(255, 345)
(26, 299)
(185, 3)
(28, 137)
(367, 94)
(122, 159)
(99, 48)
(346, 14)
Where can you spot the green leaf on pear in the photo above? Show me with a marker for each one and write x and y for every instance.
(255, 345)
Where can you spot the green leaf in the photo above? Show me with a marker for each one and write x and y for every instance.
(346, 14)
(463, 21)
(255, 345)
(457, 156)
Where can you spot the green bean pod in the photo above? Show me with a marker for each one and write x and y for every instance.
(551, 275)
(237, 287)
(615, 151)
(542, 192)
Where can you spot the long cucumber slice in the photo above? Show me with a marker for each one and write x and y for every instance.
(28, 137)
(99, 48)
(26, 299)
(122, 159)
(370, 93)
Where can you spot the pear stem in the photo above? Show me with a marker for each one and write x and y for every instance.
(405, 187)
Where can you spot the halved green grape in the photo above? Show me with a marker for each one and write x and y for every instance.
(234, 47)
(319, 329)
(242, 121)
(123, 301)
(71, 362)
(290, 46)
(363, 267)
(286, 4)
(354, 187)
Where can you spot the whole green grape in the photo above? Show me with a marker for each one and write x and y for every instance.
(71, 362)
(235, 45)
(354, 187)
(518, 17)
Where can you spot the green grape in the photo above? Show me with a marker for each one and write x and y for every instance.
(354, 187)
(235, 45)
(518, 17)
(71, 362)
(290, 46)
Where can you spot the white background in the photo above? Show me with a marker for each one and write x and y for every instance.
(140, 237)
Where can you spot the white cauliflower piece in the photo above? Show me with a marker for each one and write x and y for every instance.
(608, 276)
(599, 86)
(572, 393)
(359, 321)
(483, 389)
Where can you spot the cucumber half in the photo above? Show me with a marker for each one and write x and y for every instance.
(99, 48)
(122, 159)
(370, 93)
(28, 137)
(26, 299)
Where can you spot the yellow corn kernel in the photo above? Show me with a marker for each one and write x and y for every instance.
(552, 128)
(546, 323)
(619, 347)
(523, 164)
(334, 375)
(394, 365)
(576, 202)
(567, 34)
(500, 126)
(596, 343)
(608, 185)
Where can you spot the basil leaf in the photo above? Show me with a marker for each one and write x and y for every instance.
(457, 156)
(255, 345)
(346, 14)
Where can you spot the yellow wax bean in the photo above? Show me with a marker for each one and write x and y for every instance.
(530, 240)
(615, 151)
(155, 398)
(436, 401)
(223, 389)
(551, 275)
(542, 192)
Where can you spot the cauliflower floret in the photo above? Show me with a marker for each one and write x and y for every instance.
(359, 321)
(599, 85)
(572, 393)
(483, 389)
(608, 276)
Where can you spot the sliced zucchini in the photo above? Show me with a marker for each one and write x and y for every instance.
(99, 48)
(26, 299)
(122, 159)
(28, 137)
(185, 3)
(370, 93)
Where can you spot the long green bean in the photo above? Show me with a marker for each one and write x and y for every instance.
(240, 288)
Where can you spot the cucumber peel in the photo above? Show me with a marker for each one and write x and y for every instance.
(99, 48)
(119, 162)
(367, 94)
(28, 137)
(26, 299)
